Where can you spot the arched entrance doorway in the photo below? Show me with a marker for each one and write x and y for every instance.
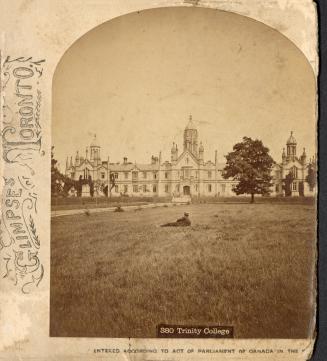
(186, 190)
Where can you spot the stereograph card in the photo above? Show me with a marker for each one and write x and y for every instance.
(158, 179)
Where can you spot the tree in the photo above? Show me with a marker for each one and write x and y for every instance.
(250, 164)
(311, 178)
(287, 184)
(79, 184)
(56, 176)
(91, 184)
(112, 181)
(60, 184)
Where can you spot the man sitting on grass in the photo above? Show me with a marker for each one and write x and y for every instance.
(181, 222)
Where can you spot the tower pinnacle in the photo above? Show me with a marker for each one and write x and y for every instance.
(191, 137)
(291, 146)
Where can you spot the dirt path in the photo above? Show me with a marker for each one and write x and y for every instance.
(69, 212)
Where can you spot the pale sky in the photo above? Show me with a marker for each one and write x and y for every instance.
(135, 80)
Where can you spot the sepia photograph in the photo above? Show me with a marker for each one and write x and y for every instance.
(183, 180)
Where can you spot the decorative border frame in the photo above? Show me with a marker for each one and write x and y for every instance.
(21, 102)
(25, 113)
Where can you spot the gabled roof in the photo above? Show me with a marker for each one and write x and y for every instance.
(187, 152)
(85, 162)
(278, 166)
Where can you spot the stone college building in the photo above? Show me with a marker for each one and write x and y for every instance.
(186, 174)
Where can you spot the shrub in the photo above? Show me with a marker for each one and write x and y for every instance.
(118, 209)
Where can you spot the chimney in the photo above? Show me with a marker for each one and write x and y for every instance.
(125, 160)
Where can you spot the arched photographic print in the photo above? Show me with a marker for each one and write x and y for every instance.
(183, 180)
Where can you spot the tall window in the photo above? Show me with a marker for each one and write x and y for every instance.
(166, 188)
(209, 174)
(291, 150)
(223, 188)
(154, 188)
(166, 175)
(209, 188)
(144, 188)
(144, 175)
(134, 175)
(126, 175)
(177, 187)
(103, 175)
(116, 189)
(196, 187)
(116, 175)
(294, 171)
(125, 188)
(135, 189)
(86, 173)
(294, 186)
(154, 175)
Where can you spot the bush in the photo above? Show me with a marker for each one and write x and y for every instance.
(118, 209)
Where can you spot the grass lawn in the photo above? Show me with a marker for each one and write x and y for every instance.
(241, 265)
